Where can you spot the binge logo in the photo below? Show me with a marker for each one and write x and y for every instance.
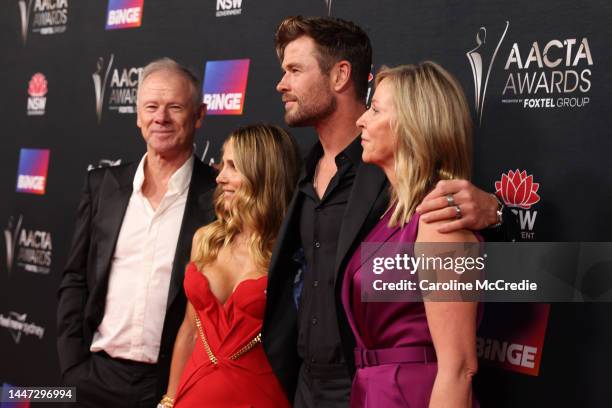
(225, 86)
(514, 344)
(37, 89)
(48, 16)
(124, 14)
(228, 8)
(520, 192)
(32, 171)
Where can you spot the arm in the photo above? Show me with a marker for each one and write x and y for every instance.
(453, 330)
(183, 347)
(73, 292)
(478, 208)
(186, 337)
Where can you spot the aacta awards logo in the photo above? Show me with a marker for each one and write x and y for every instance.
(225, 86)
(37, 89)
(32, 171)
(11, 235)
(481, 60)
(228, 8)
(554, 73)
(46, 16)
(123, 84)
(28, 249)
(328, 6)
(17, 325)
(518, 191)
(124, 14)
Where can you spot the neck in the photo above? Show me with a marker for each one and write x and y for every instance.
(159, 168)
(389, 170)
(339, 129)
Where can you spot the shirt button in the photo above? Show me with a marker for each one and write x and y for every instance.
(314, 321)
(313, 360)
(317, 244)
(315, 283)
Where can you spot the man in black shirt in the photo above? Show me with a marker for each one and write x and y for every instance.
(326, 62)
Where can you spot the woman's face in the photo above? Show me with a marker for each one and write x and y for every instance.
(229, 178)
(377, 137)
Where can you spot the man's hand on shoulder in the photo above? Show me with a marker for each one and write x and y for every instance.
(460, 204)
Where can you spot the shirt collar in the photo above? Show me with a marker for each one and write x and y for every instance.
(178, 183)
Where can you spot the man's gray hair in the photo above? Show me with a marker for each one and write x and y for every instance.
(168, 64)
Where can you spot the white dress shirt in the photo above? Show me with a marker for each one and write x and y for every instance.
(140, 271)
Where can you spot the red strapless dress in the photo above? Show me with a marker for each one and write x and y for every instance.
(228, 367)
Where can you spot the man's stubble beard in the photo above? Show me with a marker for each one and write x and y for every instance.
(312, 114)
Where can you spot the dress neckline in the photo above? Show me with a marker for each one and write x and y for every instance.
(231, 296)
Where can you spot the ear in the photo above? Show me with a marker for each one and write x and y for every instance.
(341, 75)
(200, 114)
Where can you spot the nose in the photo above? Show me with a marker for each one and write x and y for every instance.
(282, 84)
(361, 121)
(221, 179)
(161, 115)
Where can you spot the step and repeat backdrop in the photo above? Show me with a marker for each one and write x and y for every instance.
(537, 75)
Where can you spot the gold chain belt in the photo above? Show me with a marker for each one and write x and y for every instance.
(236, 355)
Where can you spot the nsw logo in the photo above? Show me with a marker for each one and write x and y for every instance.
(124, 14)
(518, 191)
(32, 171)
(37, 89)
(228, 8)
(225, 86)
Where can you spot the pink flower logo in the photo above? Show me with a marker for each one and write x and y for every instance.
(517, 189)
(37, 85)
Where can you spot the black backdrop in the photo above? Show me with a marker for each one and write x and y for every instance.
(531, 59)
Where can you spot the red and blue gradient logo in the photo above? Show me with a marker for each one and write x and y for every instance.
(32, 171)
(124, 14)
(225, 86)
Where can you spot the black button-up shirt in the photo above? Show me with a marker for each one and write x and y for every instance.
(320, 222)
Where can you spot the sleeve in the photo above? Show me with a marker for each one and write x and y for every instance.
(73, 291)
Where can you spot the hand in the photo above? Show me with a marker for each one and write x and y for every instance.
(478, 208)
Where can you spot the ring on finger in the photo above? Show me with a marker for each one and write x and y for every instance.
(450, 200)
(457, 212)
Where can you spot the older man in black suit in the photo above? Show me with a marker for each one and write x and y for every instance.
(121, 300)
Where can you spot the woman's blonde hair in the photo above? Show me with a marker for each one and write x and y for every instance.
(434, 132)
(268, 159)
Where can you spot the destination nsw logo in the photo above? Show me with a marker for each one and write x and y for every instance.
(124, 14)
(32, 171)
(225, 86)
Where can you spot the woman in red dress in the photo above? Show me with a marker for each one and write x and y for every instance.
(218, 360)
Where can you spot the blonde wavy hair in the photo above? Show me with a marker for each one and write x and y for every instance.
(268, 159)
(434, 130)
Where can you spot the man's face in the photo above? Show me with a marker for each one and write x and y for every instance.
(307, 92)
(166, 115)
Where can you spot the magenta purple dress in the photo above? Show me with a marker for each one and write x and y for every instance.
(395, 357)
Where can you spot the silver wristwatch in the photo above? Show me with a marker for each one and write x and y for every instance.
(499, 213)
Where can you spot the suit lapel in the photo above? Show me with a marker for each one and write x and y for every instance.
(199, 211)
(114, 198)
(368, 186)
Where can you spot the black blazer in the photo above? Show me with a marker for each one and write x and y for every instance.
(368, 200)
(82, 292)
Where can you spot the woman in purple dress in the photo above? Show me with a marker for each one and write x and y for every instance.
(412, 353)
